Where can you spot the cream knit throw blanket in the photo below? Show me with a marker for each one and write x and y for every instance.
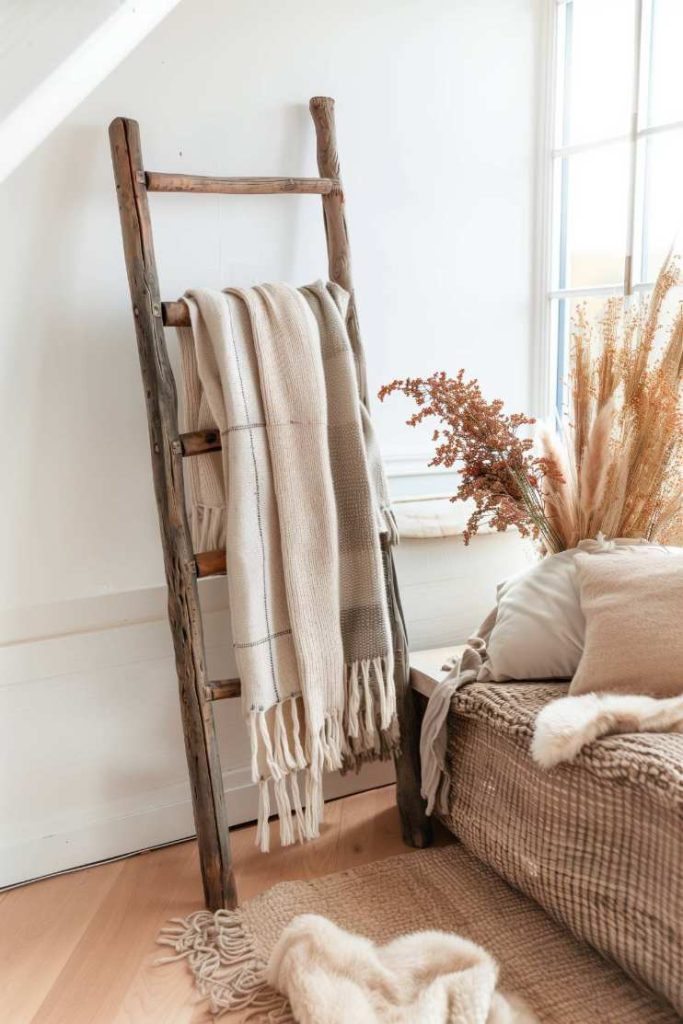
(298, 498)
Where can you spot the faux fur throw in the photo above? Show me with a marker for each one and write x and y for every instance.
(298, 498)
(566, 725)
(333, 977)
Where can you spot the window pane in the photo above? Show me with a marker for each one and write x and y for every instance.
(597, 37)
(592, 217)
(661, 158)
(665, 102)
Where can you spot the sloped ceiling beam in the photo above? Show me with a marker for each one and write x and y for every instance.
(67, 85)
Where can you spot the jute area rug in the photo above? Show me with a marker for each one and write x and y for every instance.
(563, 980)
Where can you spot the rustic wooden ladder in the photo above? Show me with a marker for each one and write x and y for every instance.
(169, 447)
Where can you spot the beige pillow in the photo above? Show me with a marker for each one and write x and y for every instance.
(633, 605)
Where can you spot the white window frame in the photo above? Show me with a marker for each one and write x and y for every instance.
(548, 356)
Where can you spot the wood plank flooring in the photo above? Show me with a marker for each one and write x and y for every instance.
(80, 948)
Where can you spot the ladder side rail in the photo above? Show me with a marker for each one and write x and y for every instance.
(416, 825)
(334, 215)
(183, 602)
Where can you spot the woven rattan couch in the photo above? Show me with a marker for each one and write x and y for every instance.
(598, 843)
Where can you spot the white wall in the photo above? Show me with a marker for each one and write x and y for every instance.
(38, 36)
(53, 55)
(435, 107)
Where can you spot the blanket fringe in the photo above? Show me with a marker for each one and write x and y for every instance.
(227, 971)
(366, 730)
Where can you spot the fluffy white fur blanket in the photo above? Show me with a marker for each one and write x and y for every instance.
(566, 725)
(333, 977)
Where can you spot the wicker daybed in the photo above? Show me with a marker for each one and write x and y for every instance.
(598, 843)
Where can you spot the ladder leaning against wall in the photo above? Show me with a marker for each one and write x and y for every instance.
(169, 448)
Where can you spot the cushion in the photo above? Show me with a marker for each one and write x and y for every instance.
(633, 607)
(537, 631)
(539, 626)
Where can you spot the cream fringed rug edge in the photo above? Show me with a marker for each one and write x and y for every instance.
(563, 980)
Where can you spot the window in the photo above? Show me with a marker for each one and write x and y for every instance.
(617, 154)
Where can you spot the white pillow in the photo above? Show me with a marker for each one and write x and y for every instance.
(539, 628)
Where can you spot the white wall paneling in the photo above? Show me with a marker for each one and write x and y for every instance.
(448, 589)
(92, 760)
(91, 753)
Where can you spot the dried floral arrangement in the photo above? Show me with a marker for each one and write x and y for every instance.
(615, 466)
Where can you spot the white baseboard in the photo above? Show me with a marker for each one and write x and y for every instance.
(92, 759)
(167, 820)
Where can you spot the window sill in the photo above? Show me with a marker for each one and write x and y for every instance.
(425, 518)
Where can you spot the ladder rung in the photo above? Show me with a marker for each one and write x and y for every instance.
(157, 181)
(175, 314)
(198, 442)
(213, 563)
(220, 689)
(210, 563)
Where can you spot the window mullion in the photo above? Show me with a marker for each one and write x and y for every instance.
(633, 152)
(563, 240)
(644, 122)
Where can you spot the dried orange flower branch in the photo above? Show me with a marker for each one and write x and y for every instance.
(499, 470)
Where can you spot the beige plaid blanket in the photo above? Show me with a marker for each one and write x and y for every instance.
(298, 498)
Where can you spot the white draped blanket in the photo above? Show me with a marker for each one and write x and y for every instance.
(331, 976)
(298, 498)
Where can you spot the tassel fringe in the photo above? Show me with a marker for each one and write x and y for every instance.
(366, 730)
(223, 959)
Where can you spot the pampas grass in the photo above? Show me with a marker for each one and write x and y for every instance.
(594, 469)
(559, 490)
(620, 460)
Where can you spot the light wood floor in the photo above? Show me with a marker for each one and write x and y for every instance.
(79, 948)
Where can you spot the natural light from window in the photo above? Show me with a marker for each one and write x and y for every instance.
(617, 153)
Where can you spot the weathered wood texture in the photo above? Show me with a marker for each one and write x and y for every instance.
(210, 563)
(199, 442)
(183, 603)
(158, 182)
(175, 314)
(416, 825)
(336, 230)
(417, 828)
(223, 689)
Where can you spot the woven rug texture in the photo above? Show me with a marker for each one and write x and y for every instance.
(562, 979)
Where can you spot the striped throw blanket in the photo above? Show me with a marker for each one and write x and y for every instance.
(298, 498)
